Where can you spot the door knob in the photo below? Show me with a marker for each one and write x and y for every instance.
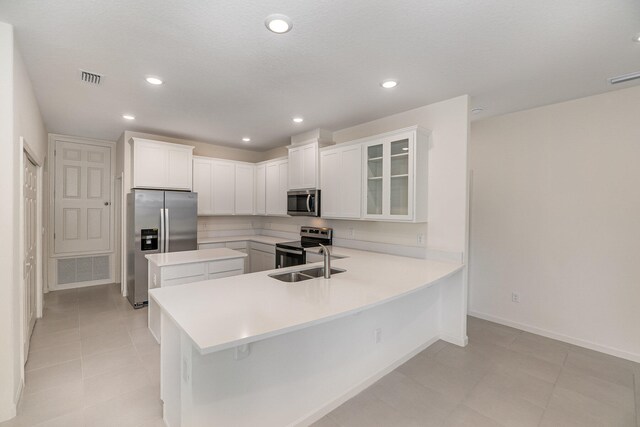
(106, 203)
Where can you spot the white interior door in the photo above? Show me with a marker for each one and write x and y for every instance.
(30, 234)
(82, 198)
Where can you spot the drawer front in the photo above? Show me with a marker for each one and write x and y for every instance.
(210, 245)
(236, 245)
(263, 247)
(224, 274)
(184, 270)
(226, 265)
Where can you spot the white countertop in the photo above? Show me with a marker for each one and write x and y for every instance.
(268, 240)
(189, 257)
(224, 313)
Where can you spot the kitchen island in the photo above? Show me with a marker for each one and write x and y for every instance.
(251, 350)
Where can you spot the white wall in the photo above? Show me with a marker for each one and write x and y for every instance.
(19, 117)
(555, 217)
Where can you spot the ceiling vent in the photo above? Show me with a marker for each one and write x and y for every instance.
(91, 78)
(624, 78)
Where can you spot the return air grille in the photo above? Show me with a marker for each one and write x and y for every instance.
(91, 78)
(85, 269)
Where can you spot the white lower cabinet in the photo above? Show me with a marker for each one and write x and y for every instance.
(180, 274)
(263, 257)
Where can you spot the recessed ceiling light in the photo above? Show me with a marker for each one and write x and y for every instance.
(153, 80)
(298, 119)
(636, 38)
(388, 84)
(477, 110)
(278, 23)
(128, 117)
(246, 139)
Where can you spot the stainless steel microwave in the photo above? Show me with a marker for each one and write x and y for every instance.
(303, 202)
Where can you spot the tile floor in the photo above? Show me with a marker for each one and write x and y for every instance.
(93, 362)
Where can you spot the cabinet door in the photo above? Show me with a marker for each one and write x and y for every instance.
(271, 189)
(150, 162)
(330, 174)
(202, 178)
(179, 168)
(309, 165)
(296, 169)
(374, 179)
(400, 177)
(349, 186)
(244, 190)
(223, 186)
(260, 190)
(283, 175)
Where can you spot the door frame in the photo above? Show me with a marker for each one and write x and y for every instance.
(27, 153)
(51, 255)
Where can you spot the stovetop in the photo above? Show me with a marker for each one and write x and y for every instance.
(297, 244)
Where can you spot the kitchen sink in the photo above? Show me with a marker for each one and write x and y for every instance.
(299, 276)
(319, 271)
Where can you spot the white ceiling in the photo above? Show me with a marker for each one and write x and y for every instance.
(228, 77)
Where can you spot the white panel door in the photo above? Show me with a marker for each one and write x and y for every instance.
(350, 186)
(82, 198)
(244, 189)
(330, 166)
(260, 190)
(30, 248)
(223, 186)
(202, 173)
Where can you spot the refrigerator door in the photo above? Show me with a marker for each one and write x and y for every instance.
(145, 237)
(181, 221)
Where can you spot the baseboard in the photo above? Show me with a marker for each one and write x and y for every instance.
(560, 337)
(11, 410)
(321, 412)
(455, 340)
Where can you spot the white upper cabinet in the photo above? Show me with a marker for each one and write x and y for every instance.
(395, 176)
(161, 165)
(244, 189)
(276, 178)
(341, 184)
(303, 166)
(202, 173)
(260, 189)
(224, 187)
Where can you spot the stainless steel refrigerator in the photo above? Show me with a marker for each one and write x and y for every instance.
(158, 221)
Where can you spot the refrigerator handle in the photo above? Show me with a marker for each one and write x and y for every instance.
(167, 237)
(161, 230)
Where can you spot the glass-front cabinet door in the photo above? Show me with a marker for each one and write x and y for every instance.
(389, 177)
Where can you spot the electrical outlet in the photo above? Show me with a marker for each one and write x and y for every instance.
(351, 233)
(420, 238)
(377, 335)
(515, 297)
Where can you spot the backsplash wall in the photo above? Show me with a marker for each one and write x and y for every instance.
(367, 231)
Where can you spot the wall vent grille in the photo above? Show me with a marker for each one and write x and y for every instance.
(85, 269)
(92, 78)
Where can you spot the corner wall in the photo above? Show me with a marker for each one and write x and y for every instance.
(555, 217)
(19, 117)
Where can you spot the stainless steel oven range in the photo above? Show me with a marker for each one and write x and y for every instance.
(293, 253)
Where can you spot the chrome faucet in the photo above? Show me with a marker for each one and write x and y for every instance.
(327, 261)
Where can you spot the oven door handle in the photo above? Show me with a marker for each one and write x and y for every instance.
(308, 202)
(289, 251)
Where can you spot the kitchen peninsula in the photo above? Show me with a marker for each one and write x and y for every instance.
(251, 350)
